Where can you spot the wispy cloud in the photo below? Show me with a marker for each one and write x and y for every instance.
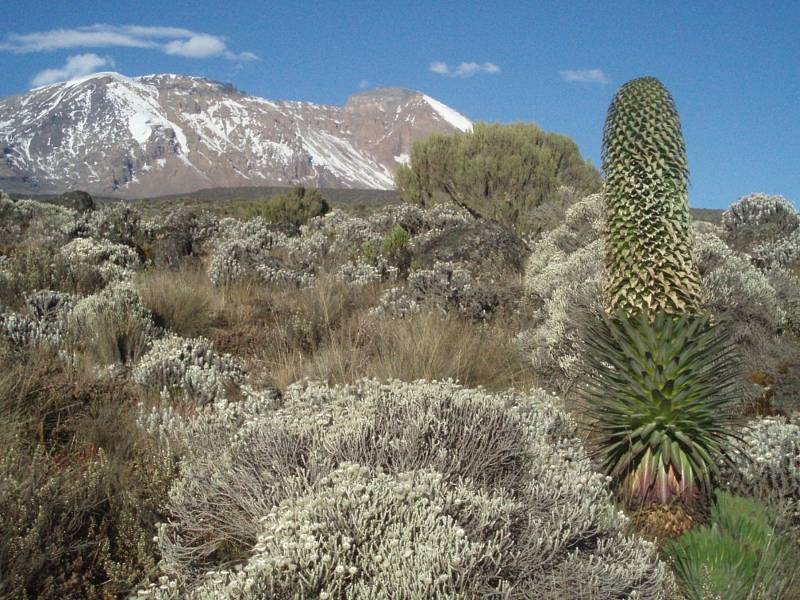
(464, 70)
(363, 84)
(174, 41)
(76, 66)
(585, 76)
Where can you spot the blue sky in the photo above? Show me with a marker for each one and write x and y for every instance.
(732, 67)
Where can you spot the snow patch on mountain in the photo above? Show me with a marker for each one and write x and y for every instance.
(455, 119)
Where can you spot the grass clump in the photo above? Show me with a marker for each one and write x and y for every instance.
(182, 301)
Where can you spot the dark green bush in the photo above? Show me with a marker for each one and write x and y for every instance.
(510, 173)
(295, 208)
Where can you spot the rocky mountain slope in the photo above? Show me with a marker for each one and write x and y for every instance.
(162, 134)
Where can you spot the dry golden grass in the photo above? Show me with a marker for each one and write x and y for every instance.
(184, 301)
(423, 346)
(325, 332)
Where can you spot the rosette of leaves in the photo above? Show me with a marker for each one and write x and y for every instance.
(648, 246)
(659, 390)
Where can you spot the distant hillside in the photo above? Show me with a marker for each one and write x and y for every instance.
(218, 199)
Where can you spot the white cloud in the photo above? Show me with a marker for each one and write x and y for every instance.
(175, 41)
(76, 66)
(464, 70)
(363, 84)
(585, 76)
(197, 46)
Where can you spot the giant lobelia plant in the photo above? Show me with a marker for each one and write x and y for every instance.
(659, 375)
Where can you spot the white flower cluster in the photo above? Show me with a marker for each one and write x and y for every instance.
(118, 222)
(363, 273)
(766, 464)
(568, 287)
(338, 489)
(273, 272)
(112, 325)
(732, 285)
(190, 367)
(564, 276)
(760, 209)
(781, 253)
(250, 249)
(117, 262)
(33, 220)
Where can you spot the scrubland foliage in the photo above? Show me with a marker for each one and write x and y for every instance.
(564, 275)
(294, 208)
(254, 388)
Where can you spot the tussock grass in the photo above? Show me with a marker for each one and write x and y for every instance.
(183, 301)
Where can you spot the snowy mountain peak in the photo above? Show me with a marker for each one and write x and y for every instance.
(165, 133)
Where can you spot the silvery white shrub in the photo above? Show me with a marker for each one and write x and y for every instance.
(784, 252)
(361, 273)
(447, 287)
(189, 366)
(43, 324)
(564, 276)
(759, 209)
(40, 221)
(766, 465)
(330, 477)
(117, 262)
(118, 222)
(239, 247)
(568, 286)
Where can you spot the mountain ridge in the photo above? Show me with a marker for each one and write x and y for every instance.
(165, 134)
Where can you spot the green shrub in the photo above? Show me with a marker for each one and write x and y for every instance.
(295, 208)
(395, 247)
(514, 174)
(739, 556)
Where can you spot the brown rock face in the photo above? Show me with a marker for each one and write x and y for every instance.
(166, 134)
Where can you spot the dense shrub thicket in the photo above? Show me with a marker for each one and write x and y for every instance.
(294, 208)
